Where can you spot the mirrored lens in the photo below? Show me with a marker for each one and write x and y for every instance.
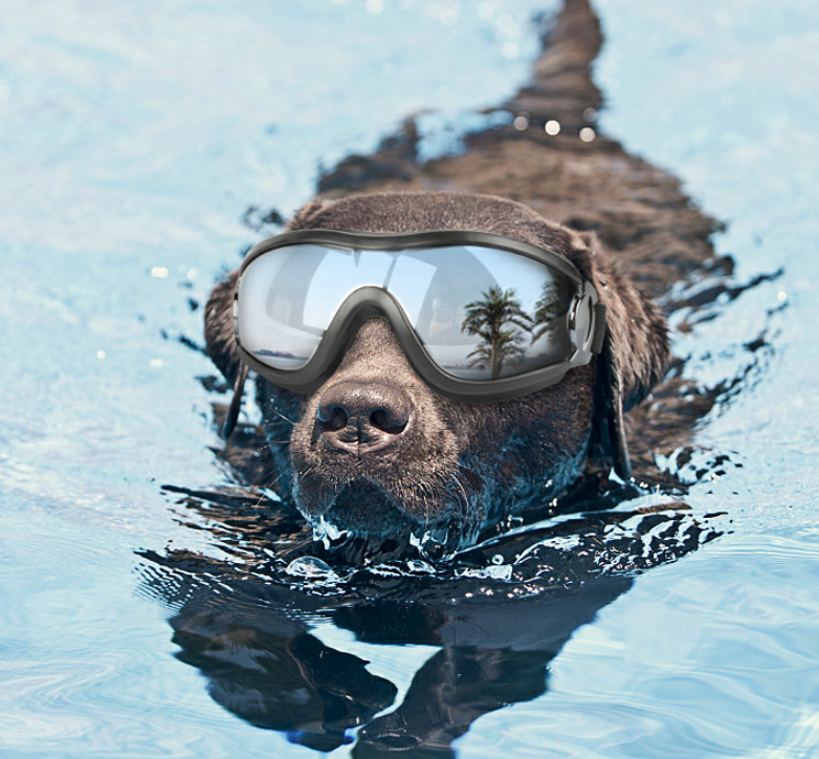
(489, 313)
(481, 313)
(271, 307)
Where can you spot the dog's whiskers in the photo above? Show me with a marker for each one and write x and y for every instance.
(461, 491)
(270, 486)
(282, 416)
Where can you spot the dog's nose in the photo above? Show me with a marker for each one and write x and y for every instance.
(362, 416)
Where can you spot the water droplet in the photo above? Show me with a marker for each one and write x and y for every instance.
(325, 531)
(552, 127)
(311, 568)
(521, 122)
(587, 134)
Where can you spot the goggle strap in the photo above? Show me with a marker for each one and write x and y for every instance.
(236, 402)
(599, 328)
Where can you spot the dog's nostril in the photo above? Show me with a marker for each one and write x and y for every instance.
(333, 417)
(389, 420)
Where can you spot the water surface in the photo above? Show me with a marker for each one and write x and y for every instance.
(135, 141)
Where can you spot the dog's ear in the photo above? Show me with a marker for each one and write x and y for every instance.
(221, 346)
(219, 334)
(635, 351)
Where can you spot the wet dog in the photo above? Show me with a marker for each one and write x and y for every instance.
(429, 465)
(436, 468)
(405, 461)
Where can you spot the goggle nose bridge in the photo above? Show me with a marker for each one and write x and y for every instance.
(362, 304)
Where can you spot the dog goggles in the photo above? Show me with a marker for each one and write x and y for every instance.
(479, 316)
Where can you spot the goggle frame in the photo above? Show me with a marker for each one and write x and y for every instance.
(585, 318)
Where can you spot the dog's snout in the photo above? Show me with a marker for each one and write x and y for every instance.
(362, 416)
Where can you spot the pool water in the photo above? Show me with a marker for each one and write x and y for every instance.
(141, 148)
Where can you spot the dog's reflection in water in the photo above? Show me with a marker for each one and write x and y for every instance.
(497, 614)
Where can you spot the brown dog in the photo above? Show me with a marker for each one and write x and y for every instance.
(429, 466)
(431, 462)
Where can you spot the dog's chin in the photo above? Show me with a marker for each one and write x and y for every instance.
(362, 509)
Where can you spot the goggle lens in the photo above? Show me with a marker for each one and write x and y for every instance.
(481, 313)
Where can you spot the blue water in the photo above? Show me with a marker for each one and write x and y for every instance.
(133, 140)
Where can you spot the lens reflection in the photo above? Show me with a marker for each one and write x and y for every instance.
(481, 313)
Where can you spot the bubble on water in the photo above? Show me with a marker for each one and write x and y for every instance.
(521, 122)
(311, 568)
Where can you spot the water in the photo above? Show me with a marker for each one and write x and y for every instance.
(134, 140)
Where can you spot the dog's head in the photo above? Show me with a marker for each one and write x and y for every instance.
(374, 450)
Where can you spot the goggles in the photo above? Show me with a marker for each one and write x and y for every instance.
(479, 316)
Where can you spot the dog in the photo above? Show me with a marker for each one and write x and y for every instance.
(454, 468)
(444, 469)
(457, 468)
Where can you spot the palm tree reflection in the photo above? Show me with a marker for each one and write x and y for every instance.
(548, 308)
(507, 332)
(499, 320)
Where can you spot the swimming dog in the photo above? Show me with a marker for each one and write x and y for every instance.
(449, 468)
(404, 459)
